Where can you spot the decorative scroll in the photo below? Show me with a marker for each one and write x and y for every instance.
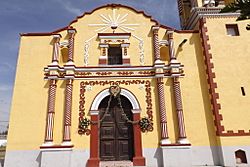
(98, 74)
(125, 73)
(103, 73)
(84, 122)
(141, 43)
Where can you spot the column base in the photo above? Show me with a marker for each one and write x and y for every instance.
(70, 63)
(139, 161)
(66, 143)
(183, 141)
(93, 162)
(48, 143)
(176, 156)
(56, 157)
(54, 63)
(165, 141)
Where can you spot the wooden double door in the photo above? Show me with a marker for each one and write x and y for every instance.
(116, 135)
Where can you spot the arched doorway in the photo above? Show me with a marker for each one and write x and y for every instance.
(135, 110)
(115, 134)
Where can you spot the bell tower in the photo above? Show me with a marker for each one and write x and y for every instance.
(191, 10)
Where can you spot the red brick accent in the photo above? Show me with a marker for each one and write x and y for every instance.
(211, 76)
(220, 130)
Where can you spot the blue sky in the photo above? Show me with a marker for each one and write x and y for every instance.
(21, 16)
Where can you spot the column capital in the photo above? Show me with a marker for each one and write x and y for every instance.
(155, 28)
(57, 36)
(71, 30)
(170, 32)
(170, 35)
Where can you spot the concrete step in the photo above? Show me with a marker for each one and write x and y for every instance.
(116, 164)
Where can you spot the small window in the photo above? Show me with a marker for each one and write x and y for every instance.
(232, 29)
(243, 91)
(114, 55)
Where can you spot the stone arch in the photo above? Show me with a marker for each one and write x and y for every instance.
(130, 96)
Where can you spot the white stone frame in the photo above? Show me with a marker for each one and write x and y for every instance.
(124, 92)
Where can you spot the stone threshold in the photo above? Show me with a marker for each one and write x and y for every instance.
(115, 164)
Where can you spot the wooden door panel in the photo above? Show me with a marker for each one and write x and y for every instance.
(123, 149)
(108, 150)
(109, 118)
(122, 132)
(108, 131)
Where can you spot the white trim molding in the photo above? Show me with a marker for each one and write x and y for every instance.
(124, 92)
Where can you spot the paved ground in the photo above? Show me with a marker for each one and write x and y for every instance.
(116, 163)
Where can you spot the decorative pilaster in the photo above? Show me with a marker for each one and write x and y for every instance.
(125, 56)
(171, 45)
(67, 114)
(138, 159)
(50, 114)
(159, 74)
(177, 91)
(162, 108)
(94, 159)
(103, 59)
(71, 33)
(56, 47)
(179, 111)
(156, 43)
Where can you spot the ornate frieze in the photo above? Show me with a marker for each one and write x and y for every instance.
(82, 119)
(166, 71)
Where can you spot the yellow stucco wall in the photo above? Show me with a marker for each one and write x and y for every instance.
(29, 105)
(231, 66)
(28, 111)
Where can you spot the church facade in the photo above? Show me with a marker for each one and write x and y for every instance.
(117, 88)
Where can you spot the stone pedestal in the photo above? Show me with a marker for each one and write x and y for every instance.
(56, 157)
(176, 156)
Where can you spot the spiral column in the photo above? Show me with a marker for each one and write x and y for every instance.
(56, 47)
(71, 33)
(67, 113)
(50, 113)
(162, 108)
(156, 43)
(160, 88)
(177, 93)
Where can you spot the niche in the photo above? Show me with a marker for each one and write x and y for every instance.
(240, 157)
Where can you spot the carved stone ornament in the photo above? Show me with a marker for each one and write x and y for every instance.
(114, 90)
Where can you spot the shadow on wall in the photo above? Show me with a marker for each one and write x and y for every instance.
(214, 145)
(39, 159)
(158, 156)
